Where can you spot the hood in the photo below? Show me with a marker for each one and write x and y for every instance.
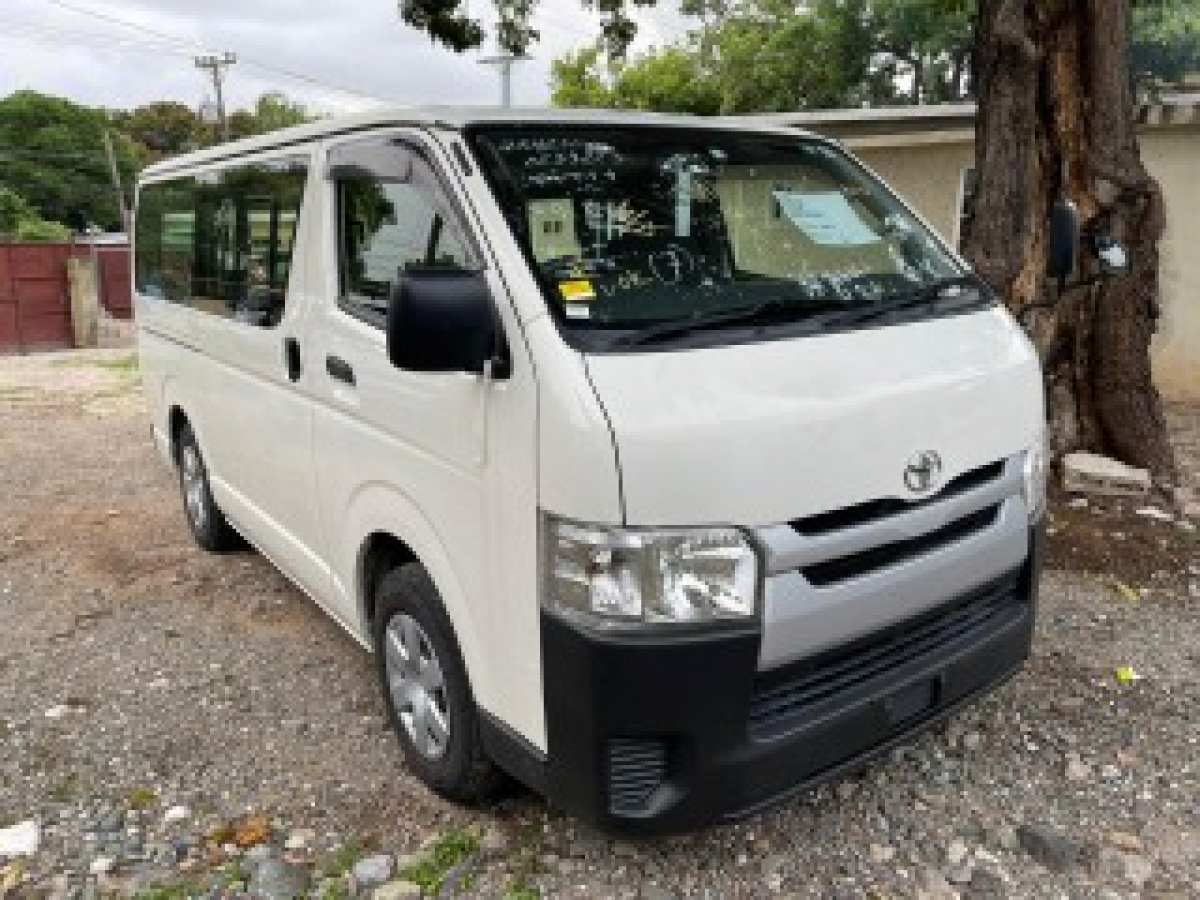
(762, 433)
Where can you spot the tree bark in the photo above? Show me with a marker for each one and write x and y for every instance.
(1057, 117)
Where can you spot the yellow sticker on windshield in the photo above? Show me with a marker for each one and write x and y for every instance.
(580, 291)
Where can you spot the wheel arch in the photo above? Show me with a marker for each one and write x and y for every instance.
(389, 530)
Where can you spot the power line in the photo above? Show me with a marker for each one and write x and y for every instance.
(125, 23)
(181, 42)
(56, 37)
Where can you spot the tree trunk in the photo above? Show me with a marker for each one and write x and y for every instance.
(1057, 116)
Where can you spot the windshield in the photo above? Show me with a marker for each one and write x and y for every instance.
(628, 227)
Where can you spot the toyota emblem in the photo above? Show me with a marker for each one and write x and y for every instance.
(922, 472)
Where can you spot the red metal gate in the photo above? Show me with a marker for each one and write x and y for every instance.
(35, 305)
(35, 298)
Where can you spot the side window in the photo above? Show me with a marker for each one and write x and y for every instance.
(391, 225)
(222, 242)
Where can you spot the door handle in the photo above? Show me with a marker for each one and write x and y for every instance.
(339, 369)
(291, 357)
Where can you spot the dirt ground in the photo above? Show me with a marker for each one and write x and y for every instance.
(152, 694)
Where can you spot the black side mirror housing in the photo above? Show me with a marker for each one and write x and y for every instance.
(443, 320)
(1063, 251)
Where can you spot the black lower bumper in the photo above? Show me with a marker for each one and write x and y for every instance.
(665, 734)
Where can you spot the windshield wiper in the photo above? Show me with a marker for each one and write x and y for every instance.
(914, 299)
(753, 314)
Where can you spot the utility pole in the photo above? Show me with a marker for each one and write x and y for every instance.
(216, 67)
(504, 64)
(115, 172)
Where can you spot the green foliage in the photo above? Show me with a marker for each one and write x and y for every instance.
(20, 220)
(271, 112)
(13, 210)
(163, 129)
(1166, 41)
(53, 165)
(776, 55)
(450, 849)
(53, 155)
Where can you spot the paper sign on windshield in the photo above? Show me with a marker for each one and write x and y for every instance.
(826, 217)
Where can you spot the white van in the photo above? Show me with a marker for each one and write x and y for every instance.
(669, 465)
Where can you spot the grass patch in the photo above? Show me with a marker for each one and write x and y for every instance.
(121, 365)
(141, 798)
(451, 849)
(178, 891)
(342, 860)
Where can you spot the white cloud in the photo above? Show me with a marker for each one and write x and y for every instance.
(358, 44)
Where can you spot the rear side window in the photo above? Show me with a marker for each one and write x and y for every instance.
(391, 225)
(222, 242)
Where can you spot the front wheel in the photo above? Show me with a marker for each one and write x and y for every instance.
(208, 523)
(427, 691)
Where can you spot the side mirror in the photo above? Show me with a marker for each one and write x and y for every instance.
(443, 320)
(1112, 255)
(1063, 251)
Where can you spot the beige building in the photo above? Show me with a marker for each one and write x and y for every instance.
(925, 151)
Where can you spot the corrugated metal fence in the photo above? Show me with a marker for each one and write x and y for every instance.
(35, 301)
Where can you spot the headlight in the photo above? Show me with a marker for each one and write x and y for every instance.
(1033, 474)
(616, 576)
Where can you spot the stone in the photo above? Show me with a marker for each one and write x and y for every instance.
(1150, 512)
(176, 813)
(990, 881)
(1077, 769)
(1129, 867)
(932, 886)
(1053, 850)
(1123, 840)
(1088, 473)
(372, 871)
(396, 890)
(22, 839)
(972, 740)
(495, 841)
(882, 853)
(274, 879)
(300, 839)
(956, 853)
(102, 865)
(1006, 838)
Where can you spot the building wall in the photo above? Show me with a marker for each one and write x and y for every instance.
(928, 176)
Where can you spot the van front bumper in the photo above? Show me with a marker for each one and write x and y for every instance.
(658, 734)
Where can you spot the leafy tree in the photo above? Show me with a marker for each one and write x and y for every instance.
(20, 220)
(1166, 42)
(163, 129)
(52, 154)
(671, 80)
(271, 112)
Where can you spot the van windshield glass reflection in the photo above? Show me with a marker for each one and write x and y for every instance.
(633, 226)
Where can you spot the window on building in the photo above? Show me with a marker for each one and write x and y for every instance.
(222, 242)
(968, 185)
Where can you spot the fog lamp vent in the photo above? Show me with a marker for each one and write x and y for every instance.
(637, 767)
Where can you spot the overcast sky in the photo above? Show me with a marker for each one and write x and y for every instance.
(358, 45)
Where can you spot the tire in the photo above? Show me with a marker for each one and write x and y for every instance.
(209, 526)
(426, 689)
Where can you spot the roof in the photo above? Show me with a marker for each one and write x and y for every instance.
(452, 118)
(1182, 108)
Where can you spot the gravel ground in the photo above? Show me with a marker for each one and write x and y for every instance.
(176, 724)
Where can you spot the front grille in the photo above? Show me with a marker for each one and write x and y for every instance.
(636, 769)
(831, 571)
(793, 690)
(874, 510)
